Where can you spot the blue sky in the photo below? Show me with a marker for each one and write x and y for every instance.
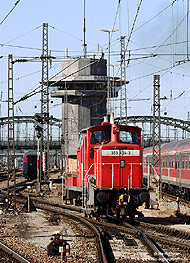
(23, 28)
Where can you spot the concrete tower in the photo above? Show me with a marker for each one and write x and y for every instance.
(83, 89)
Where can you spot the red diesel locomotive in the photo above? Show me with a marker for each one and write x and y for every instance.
(109, 177)
(175, 167)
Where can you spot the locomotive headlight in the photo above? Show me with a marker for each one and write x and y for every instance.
(122, 163)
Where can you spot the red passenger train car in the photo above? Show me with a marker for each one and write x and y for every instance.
(175, 167)
(109, 174)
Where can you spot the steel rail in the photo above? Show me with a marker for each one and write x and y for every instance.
(126, 228)
(132, 230)
(149, 243)
(166, 230)
(140, 235)
(173, 197)
(95, 230)
(14, 254)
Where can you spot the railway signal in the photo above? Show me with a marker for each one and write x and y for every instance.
(39, 122)
(39, 117)
(58, 246)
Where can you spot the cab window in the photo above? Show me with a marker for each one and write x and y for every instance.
(100, 136)
(80, 140)
(129, 137)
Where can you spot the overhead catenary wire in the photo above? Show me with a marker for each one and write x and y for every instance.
(159, 13)
(132, 28)
(115, 19)
(34, 92)
(154, 17)
(172, 32)
(133, 31)
(163, 45)
(166, 71)
(16, 3)
(26, 33)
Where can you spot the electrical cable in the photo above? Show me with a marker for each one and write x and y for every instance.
(155, 16)
(155, 46)
(132, 28)
(60, 30)
(16, 3)
(23, 35)
(168, 69)
(118, 7)
(159, 48)
(173, 31)
(34, 92)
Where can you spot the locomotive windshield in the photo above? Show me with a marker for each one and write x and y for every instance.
(100, 136)
(129, 137)
(80, 140)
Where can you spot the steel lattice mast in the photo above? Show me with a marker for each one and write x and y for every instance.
(156, 137)
(66, 130)
(123, 89)
(11, 144)
(45, 103)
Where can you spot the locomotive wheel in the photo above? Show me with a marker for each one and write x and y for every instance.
(131, 217)
(102, 197)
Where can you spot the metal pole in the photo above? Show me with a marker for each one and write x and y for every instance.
(45, 99)
(108, 69)
(38, 166)
(123, 88)
(108, 84)
(11, 142)
(156, 137)
(62, 186)
(84, 30)
(188, 29)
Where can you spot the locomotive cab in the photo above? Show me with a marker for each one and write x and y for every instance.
(109, 164)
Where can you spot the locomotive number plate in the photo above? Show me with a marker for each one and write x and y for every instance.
(120, 152)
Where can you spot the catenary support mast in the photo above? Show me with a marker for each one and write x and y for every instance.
(45, 104)
(11, 144)
(156, 137)
(123, 91)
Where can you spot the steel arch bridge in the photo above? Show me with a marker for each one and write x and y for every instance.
(25, 138)
(171, 129)
(25, 135)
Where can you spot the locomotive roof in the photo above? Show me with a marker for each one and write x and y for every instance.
(108, 125)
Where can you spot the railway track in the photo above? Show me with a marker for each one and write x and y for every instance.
(172, 241)
(3, 175)
(8, 255)
(170, 232)
(143, 232)
(162, 244)
(173, 198)
(101, 249)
